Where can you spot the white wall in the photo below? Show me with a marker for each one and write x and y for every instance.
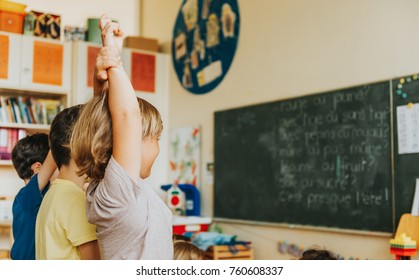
(289, 48)
(76, 12)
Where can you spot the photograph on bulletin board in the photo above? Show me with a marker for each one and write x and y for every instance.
(205, 39)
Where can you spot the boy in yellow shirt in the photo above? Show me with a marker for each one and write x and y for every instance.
(62, 229)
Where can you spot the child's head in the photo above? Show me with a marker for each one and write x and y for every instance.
(29, 153)
(91, 143)
(183, 250)
(60, 135)
(177, 237)
(317, 254)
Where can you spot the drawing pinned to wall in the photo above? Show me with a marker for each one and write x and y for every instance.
(185, 155)
(190, 13)
(180, 46)
(205, 39)
(213, 29)
(228, 19)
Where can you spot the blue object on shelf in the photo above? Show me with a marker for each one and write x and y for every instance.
(193, 201)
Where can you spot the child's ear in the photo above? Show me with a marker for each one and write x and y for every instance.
(36, 167)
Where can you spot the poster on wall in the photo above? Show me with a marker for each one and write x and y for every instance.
(185, 155)
(205, 39)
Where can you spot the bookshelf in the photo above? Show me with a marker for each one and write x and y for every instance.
(31, 69)
(6, 163)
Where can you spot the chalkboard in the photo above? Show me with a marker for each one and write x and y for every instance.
(319, 160)
(406, 166)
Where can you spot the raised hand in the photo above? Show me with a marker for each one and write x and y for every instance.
(111, 33)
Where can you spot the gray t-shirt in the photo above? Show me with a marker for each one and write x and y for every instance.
(132, 222)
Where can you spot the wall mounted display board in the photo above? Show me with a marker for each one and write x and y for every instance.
(205, 38)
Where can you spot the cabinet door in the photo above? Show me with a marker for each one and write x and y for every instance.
(139, 67)
(46, 64)
(10, 46)
(84, 54)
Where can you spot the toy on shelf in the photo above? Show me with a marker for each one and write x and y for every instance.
(175, 200)
(403, 247)
(192, 198)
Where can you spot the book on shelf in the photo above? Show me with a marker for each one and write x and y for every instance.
(28, 110)
(8, 139)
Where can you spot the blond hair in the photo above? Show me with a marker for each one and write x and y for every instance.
(183, 250)
(91, 140)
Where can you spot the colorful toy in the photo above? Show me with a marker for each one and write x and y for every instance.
(192, 198)
(403, 247)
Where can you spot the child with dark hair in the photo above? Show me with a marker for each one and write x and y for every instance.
(317, 254)
(35, 166)
(62, 229)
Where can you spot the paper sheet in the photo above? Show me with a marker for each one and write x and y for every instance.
(91, 61)
(48, 62)
(4, 56)
(143, 72)
(415, 206)
(408, 129)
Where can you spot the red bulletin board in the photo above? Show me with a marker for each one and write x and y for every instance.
(143, 72)
(91, 61)
(48, 63)
(4, 56)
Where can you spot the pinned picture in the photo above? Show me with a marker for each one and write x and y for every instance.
(205, 9)
(180, 46)
(185, 155)
(187, 77)
(190, 13)
(213, 28)
(210, 73)
(199, 44)
(228, 19)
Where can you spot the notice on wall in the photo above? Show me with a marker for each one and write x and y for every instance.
(415, 206)
(4, 56)
(408, 128)
(143, 72)
(48, 63)
(92, 53)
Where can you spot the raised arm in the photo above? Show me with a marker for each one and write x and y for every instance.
(123, 106)
(47, 170)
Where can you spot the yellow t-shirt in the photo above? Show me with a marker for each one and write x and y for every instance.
(62, 223)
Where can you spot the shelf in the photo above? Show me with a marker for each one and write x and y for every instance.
(35, 127)
(7, 90)
(6, 163)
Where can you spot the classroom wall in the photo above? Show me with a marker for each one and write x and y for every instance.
(289, 48)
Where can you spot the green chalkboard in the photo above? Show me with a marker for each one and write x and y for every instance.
(406, 165)
(320, 160)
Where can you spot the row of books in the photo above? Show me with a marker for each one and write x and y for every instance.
(28, 110)
(8, 139)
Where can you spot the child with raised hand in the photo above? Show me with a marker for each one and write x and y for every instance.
(34, 164)
(115, 143)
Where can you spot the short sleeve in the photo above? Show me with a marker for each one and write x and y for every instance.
(74, 221)
(29, 197)
(117, 189)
